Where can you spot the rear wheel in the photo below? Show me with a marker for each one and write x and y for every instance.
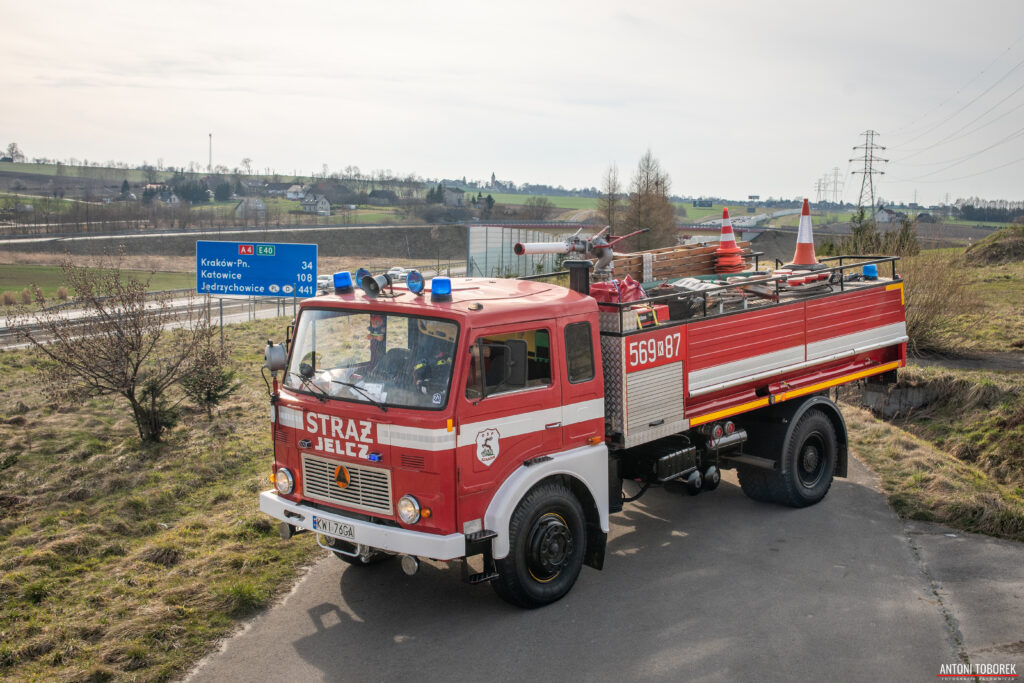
(809, 461)
(547, 541)
(755, 483)
(807, 465)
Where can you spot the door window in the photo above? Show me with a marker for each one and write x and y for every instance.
(509, 362)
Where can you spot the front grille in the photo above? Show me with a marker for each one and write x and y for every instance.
(369, 488)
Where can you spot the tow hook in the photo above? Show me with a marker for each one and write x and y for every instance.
(410, 565)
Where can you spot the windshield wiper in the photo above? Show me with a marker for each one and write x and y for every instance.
(380, 404)
(313, 389)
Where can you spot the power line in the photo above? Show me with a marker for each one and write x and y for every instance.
(963, 177)
(982, 115)
(970, 156)
(867, 183)
(1002, 116)
(969, 103)
(960, 89)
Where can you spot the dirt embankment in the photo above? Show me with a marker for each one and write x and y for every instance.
(1005, 246)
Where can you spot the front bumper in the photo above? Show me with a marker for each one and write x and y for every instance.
(388, 538)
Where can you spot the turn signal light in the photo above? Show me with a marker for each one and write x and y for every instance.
(425, 513)
(594, 440)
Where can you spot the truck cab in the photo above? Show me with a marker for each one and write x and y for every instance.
(415, 423)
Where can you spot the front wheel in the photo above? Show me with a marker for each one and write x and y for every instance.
(547, 541)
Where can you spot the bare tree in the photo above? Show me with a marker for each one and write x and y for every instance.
(649, 206)
(610, 197)
(14, 152)
(538, 208)
(247, 165)
(117, 340)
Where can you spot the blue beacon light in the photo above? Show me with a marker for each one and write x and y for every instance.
(414, 281)
(342, 282)
(441, 289)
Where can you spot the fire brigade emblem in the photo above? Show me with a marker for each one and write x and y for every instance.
(487, 446)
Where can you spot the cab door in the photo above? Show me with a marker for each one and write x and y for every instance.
(506, 417)
(581, 380)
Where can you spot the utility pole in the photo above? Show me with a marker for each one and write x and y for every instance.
(209, 166)
(835, 185)
(867, 183)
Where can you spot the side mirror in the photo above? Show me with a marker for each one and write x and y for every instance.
(515, 366)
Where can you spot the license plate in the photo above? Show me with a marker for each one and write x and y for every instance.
(333, 528)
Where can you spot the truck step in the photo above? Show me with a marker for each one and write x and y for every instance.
(482, 577)
(482, 535)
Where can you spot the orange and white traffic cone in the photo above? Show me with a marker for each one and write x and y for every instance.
(804, 255)
(728, 256)
(803, 269)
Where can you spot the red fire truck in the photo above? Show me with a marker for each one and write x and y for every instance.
(493, 421)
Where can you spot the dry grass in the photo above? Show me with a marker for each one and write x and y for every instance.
(977, 417)
(119, 560)
(926, 483)
(936, 292)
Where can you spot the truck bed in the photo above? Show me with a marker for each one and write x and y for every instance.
(744, 352)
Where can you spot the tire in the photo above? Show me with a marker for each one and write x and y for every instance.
(755, 483)
(364, 559)
(808, 464)
(547, 540)
(809, 461)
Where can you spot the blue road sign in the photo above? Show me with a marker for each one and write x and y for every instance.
(255, 269)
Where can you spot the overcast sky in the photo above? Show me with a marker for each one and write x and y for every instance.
(733, 98)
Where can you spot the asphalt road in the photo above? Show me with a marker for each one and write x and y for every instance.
(709, 588)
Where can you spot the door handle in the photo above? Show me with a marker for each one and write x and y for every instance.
(553, 425)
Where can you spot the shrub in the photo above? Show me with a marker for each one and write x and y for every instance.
(62, 293)
(10, 298)
(26, 297)
(207, 382)
(936, 292)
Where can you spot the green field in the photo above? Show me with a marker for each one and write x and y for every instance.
(15, 278)
(559, 202)
(103, 173)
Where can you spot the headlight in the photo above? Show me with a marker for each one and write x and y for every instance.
(409, 509)
(284, 481)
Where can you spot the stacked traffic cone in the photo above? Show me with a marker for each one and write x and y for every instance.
(728, 257)
(802, 269)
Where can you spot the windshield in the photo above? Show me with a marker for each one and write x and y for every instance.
(395, 360)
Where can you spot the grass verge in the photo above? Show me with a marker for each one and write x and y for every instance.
(925, 483)
(51, 278)
(119, 560)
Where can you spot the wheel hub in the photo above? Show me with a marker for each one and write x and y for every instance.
(811, 464)
(551, 545)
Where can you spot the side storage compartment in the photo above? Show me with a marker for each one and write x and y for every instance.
(644, 384)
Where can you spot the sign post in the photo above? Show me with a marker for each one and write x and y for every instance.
(255, 269)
